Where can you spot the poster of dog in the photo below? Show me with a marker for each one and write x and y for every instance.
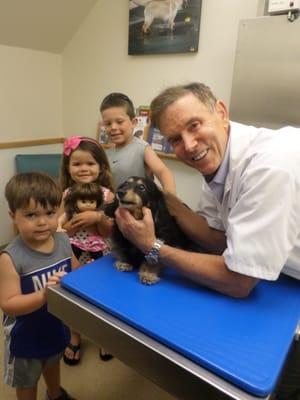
(163, 26)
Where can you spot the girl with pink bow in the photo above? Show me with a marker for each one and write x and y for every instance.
(84, 161)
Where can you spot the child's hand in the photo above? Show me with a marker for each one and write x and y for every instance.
(60, 229)
(85, 219)
(55, 279)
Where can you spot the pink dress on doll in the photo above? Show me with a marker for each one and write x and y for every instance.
(87, 240)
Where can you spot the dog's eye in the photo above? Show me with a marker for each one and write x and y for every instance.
(122, 186)
(141, 187)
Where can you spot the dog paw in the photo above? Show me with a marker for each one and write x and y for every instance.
(148, 277)
(122, 266)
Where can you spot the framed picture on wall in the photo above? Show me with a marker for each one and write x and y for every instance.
(163, 26)
(157, 141)
(142, 121)
(102, 135)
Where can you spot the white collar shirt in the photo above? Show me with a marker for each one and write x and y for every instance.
(260, 208)
(218, 182)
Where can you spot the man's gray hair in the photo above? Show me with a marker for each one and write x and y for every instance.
(167, 97)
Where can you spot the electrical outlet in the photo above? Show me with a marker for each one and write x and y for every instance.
(283, 6)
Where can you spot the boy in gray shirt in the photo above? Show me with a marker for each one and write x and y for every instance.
(35, 259)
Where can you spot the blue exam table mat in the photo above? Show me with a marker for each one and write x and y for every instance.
(245, 341)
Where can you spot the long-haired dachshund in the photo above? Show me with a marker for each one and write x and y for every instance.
(133, 194)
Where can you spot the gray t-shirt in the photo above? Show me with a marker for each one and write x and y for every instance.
(127, 161)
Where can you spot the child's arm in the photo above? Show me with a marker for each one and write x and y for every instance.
(64, 224)
(160, 170)
(74, 262)
(62, 219)
(12, 301)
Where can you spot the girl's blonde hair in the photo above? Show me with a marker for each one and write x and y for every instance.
(96, 150)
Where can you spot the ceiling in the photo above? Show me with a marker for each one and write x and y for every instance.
(45, 25)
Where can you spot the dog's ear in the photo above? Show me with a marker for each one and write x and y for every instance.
(154, 194)
(160, 211)
(110, 208)
(157, 202)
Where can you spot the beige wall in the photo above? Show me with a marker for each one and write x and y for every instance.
(48, 95)
(30, 94)
(95, 62)
(31, 108)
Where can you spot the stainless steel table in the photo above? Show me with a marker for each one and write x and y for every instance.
(171, 371)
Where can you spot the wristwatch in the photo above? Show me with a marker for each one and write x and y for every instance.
(152, 256)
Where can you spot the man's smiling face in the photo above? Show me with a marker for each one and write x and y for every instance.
(198, 134)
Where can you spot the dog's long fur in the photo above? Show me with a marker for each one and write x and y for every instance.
(133, 194)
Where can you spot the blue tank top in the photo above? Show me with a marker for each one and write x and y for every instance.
(38, 334)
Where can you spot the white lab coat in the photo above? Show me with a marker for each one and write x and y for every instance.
(260, 210)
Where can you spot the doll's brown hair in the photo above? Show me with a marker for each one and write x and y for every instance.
(82, 191)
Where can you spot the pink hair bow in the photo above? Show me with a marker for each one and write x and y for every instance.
(71, 144)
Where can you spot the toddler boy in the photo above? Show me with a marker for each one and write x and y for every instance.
(37, 257)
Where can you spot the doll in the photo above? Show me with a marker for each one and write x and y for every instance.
(87, 243)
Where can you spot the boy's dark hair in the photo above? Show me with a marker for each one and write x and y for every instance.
(98, 153)
(168, 96)
(118, 100)
(82, 191)
(38, 186)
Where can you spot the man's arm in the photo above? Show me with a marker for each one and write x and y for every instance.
(206, 269)
(195, 226)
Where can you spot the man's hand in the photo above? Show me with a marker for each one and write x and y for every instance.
(140, 232)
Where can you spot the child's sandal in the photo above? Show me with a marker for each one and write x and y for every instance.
(105, 356)
(64, 396)
(74, 349)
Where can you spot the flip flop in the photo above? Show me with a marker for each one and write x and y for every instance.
(105, 356)
(64, 395)
(74, 349)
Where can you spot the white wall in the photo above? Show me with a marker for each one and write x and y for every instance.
(42, 93)
(30, 95)
(31, 108)
(95, 63)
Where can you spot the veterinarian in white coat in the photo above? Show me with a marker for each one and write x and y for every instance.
(249, 213)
